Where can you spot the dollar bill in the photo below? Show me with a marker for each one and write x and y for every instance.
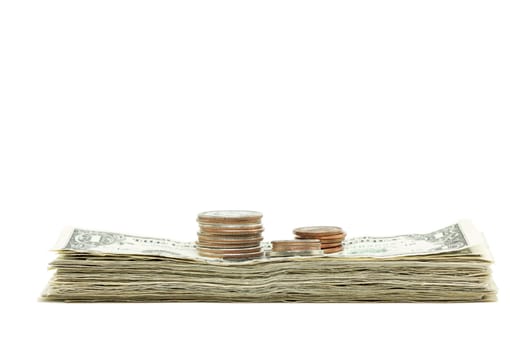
(456, 237)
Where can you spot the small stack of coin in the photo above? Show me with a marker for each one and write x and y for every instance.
(230, 234)
(330, 237)
(295, 248)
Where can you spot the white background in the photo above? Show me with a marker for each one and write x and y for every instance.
(383, 117)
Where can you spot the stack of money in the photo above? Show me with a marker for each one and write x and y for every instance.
(307, 247)
(448, 265)
(230, 234)
(330, 237)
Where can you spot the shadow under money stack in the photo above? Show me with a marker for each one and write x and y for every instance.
(230, 234)
(330, 237)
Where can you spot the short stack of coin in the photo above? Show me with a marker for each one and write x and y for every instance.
(306, 247)
(330, 237)
(230, 234)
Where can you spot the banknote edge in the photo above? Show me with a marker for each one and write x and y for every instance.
(472, 235)
(64, 238)
(475, 239)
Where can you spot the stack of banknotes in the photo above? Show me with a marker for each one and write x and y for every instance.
(447, 265)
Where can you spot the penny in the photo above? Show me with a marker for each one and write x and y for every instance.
(229, 243)
(326, 241)
(333, 250)
(215, 237)
(295, 245)
(318, 230)
(238, 239)
(231, 232)
(229, 250)
(321, 238)
(213, 241)
(330, 245)
(296, 253)
(227, 246)
(231, 226)
(233, 256)
(295, 248)
(292, 241)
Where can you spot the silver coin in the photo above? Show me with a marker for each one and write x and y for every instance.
(226, 215)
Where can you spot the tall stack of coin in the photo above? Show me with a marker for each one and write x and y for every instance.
(330, 237)
(306, 247)
(230, 234)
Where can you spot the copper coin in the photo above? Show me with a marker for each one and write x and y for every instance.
(330, 245)
(236, 239)
(228, 250)
(295, 245)
(216, 245)
(333, 250)
(318, 230)
(295, 248)
(231, 232)
(322, 238)
(231, 226)
(230, 238)
(296, 253)
(233, 256)
(293, 241)
(325, 241)
(229, 243)
(230, 216)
